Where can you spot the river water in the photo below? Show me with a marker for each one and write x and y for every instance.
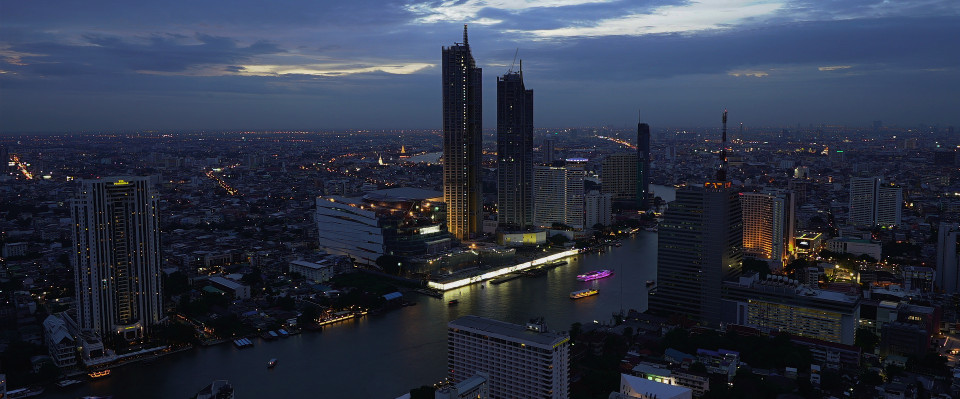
(383, 356)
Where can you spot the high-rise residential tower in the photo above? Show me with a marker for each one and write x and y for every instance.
(116, 256)
(521, 361)
(874, 203)
(768, 225)
(559, 194)
(948, 257)
(462, 139)
(700, 244)
(619, 174)
(514, 153)
(643, 165)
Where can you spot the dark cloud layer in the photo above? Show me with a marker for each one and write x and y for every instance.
(186, 64)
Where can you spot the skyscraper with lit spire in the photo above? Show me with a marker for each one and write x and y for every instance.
(462, 139)
(643, 165)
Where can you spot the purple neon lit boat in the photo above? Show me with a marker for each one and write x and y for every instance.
(596, 274)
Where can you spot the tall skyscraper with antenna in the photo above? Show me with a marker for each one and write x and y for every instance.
(643, 165)
(700, 244)
(514, 152)
(462, 139)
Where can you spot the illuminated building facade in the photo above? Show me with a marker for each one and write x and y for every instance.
(514, 153)
(780, 304)
(116, 257)
(520, 361)
(401, 222)
(874, 203)
(462, 139)
(558, 194)
(768, 225)
(700, 244)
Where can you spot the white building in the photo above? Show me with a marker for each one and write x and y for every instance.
(521, 361)
(348, 228)
(558, 194)
(60, 342)
(238, 290)
(316, 272)
(948, 257)
(597, 209)
(855, 247)
(116, 257)
(636, 387)
(874, 203)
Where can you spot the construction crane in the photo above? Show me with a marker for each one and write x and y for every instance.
(515, 61)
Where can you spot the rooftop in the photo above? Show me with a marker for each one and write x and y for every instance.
(402, 194)
(509, 330)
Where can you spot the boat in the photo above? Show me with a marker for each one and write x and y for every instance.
(24, 393)
(453, 302)
(583, 293)
(617, 244)
(594, 275)
(242, 343)
(99, 373)
(283, 333)
(67, 383)
(504, 279)
(272, 363)
(273, 334)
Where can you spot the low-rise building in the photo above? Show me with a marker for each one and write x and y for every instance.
(636, 387)
(60, 342)
(855, 246)
(238, 290)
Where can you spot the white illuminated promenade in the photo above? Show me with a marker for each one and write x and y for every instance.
(499, 272)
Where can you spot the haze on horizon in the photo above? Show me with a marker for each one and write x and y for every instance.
(370, 64)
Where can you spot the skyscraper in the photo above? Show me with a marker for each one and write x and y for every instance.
(548, 151)
(521, 361)
(768, 225)
(643, 165)
(619, 174)
(948, 257)
(559, 193)
(700, 244)
(462, 139)
(874, 203)
(116, 257)
(514, 152)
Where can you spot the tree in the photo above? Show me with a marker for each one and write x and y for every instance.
(756, 265)
(390, 264)
(575, 330)
(424, 392)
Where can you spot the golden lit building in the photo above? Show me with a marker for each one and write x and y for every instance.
(769, 225)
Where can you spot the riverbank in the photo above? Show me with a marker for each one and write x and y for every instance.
(457, 281)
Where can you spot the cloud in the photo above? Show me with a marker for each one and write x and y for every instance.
(695, 16)
(469, 10)
(745, 73)
(834, 67)
(331, 69)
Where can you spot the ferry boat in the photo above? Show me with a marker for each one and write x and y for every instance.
(99, 373)
(272, 363)
(67, 383)
(594, 275)
(583, 293)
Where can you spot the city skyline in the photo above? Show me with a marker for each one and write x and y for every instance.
(316, 66)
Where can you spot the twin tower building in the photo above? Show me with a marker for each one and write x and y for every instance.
(463, 141)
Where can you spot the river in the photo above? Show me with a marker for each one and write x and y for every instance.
(383, 356)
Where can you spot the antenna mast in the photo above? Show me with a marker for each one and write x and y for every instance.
(722, 171)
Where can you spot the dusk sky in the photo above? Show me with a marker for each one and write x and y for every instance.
(310, 65)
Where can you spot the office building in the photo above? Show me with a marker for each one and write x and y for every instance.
(780, 304)
(558, 194)
(462, 139)
(700, 243)
(643, 166)
(597, 209)
(637, 387)
(548, 150)
(400, 221)
(619, 174)
(948, 257)
(514, 153)
(874, 203)
(116, 257)
(768, 225)
(520, 361)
